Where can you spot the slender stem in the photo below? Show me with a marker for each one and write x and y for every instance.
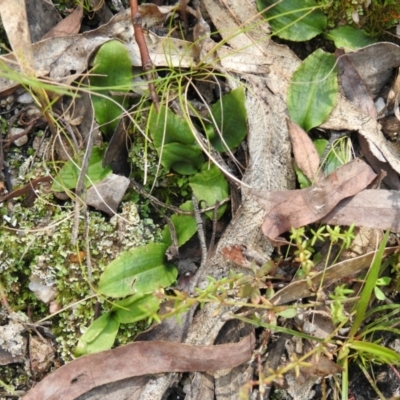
(144, 51)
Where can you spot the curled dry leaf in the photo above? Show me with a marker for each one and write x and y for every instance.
(295, 208)
(138, 359)
(345, 269)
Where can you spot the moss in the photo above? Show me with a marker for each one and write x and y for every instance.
(41, 246)
(375, 18)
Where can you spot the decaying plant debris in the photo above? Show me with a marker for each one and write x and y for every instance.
(270, 205)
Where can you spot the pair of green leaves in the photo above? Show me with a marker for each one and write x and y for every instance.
(301, 20)
(135, 275)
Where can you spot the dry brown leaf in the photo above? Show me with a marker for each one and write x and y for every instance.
(353, 86)
(375, 63)
(137, 359)
(67, 26)
(295, 208)
(15, 22)
(321, 366)
(345, 269)
(370, 208)
(391, 179)
(305, 153)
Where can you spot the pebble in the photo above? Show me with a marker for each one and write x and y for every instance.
(22, 140)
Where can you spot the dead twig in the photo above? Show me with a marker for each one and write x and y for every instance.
(144, 51)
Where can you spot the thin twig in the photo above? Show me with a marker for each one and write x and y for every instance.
(147, 64)
(200, 231)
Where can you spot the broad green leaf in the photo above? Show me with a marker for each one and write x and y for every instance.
(174, 142)
(185, 226)
(137, 271)
(295, 20)
(166, 127)
(135, 308)
(313, 90)
(100, 336)
(182, 158)
(348, 37)
(210, 186)
(231, 119)
(113, 66)
(68, 176)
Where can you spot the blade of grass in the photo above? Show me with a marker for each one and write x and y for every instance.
(373, 274)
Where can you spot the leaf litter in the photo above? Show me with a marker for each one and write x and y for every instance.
(339, 198)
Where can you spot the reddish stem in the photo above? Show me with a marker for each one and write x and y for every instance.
(144, 52)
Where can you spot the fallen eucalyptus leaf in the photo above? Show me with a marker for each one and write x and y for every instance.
(138, 359)
(295, 208)
(373, 208)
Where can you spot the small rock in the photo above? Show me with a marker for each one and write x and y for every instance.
(107, 194)
(25, 98)
(22, 140)
(43, 292)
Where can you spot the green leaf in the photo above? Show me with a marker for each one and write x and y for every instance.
(185, 226)
(210, 186)
(174, 142)
(379, 294)
(287, 313)
(166, 127)
(137, 271)
(113, 63)
(183, 159)
(351, 38)
(100, 336)
(313, 90)
(67, 178)
(294, 19)
(304, 182)
(136, 308)
(231, 119)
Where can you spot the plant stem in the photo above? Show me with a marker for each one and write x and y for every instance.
(144, 51)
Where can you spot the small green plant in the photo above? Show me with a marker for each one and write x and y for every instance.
(305, 246)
